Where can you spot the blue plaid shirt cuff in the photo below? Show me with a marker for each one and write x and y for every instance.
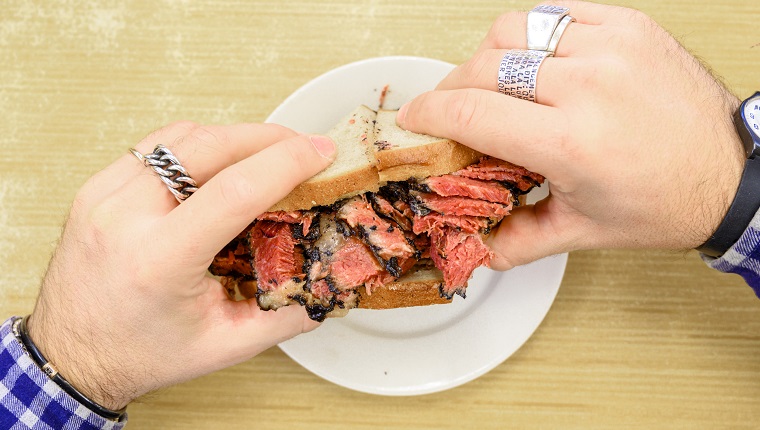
(743, 258)
(31, 400)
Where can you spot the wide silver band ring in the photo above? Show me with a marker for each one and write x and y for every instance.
(518, 71)
(542, 22)
(554, 41)
(170, 170)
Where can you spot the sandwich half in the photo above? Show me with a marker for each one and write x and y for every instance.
(397, 220)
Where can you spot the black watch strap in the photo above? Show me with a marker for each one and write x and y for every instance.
(740, 214)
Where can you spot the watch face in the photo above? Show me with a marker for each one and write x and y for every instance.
(752, 115)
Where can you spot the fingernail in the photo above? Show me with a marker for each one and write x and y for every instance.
(401, 115)
(323, 145)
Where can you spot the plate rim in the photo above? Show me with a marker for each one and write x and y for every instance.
(304, 87)
(496, 359)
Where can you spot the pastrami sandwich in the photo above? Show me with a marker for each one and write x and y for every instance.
(397, 220)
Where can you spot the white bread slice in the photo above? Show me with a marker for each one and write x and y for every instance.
(354, 170)
(402, 154)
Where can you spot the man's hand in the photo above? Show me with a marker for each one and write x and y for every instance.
(126, 306)
(632, 132)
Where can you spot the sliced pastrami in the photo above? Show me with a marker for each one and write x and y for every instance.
(292, 217)
(436, 221)
(344, 262)
(451, 185)
(395, 191)
(387, 242)
(354, 265)
(235, 259)
(277, 262)
(384, 208)
(402, 214)
(423, 203)
(304, 218)
(457, 255)
(320, 257)
(317, 304)
(403, 207)
(493, 169)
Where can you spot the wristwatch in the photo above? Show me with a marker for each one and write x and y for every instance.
(747, 200)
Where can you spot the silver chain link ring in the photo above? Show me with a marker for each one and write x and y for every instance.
(170, 170)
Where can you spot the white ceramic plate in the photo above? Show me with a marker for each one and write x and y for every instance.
(426, 349)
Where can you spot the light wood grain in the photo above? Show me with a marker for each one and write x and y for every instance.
(635, 339)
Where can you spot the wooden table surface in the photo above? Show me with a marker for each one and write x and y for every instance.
(635, 338)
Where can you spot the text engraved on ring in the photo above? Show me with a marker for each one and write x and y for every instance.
(518, 74)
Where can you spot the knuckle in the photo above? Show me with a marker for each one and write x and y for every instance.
(265, 132)
(584, 152)
(176, 128)
(418, 111)
(186, 126)
(302, 160)
(504, 21)
(82, 199)
(145, 276)
(584, 78)
(277, 131)
(473, 69)
(209, 136)
(635, 33)
(463, 112)
(95, 234)
(615, 38)
(611, 72)
(236, 191)
(637, 17)
(88, 196)
(205, 142)
(599, 76)
(558, 136)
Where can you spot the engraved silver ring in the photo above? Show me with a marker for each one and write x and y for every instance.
(554, 41)
(170, 170)
(542, 23)
(518, 71)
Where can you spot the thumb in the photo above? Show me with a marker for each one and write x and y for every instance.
(239, 330)
(256, 330)
(535, 231)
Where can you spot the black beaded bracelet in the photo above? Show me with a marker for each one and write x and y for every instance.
(21, 333)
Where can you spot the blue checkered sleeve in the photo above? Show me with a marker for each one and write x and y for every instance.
(743, 258)
(31, 400)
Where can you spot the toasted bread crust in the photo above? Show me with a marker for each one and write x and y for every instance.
(438, 158)
(402, 294)
(321, 193)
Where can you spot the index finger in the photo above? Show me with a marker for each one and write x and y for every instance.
(522, 132)
(232, 199)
